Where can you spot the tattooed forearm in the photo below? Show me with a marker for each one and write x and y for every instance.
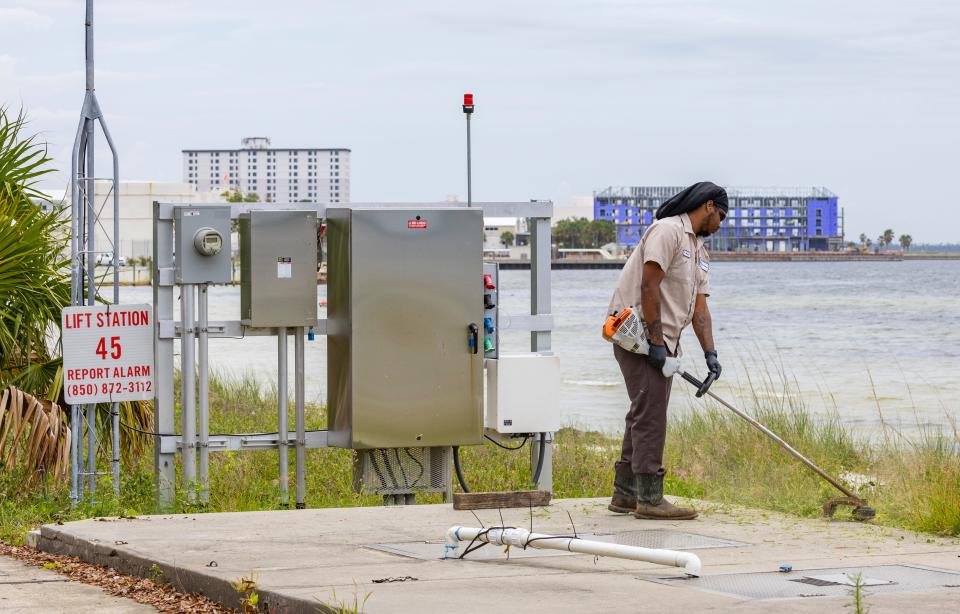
(655, 332)
(650, 302)
(703, 324)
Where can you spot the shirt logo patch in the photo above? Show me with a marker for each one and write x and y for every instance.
(686, 253)
(705, 266)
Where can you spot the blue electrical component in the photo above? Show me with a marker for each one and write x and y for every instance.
(311, 336)
(488, 324)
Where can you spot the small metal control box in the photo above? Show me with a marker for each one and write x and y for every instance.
(278, 268)
(202, 244)
(523, 393)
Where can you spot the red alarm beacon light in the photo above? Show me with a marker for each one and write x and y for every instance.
(468, 103)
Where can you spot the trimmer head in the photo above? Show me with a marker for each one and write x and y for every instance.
(861, 511)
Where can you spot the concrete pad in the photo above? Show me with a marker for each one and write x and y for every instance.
(301, 559)
(32, 589)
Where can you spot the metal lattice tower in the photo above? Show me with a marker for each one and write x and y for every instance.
(85, 220)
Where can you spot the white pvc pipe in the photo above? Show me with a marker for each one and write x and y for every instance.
(522, 538)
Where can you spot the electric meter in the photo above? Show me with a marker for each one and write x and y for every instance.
(202, 244)
(208, 241)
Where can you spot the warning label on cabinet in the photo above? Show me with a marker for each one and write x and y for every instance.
(284, 268)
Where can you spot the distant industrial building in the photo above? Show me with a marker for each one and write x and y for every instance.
(759, 219)
(315, 174)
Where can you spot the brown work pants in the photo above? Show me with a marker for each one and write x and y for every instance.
(646, 422)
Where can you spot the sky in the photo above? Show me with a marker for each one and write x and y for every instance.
(572, 96)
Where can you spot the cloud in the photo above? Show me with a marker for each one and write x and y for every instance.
(19, 17)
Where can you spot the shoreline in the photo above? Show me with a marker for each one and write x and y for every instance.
(570, 263)
(574, 264)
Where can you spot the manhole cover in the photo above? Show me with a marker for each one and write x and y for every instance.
(652, 538)
(671, 540)
(842, 579)
(833, 582)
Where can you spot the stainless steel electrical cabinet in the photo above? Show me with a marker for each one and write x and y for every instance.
(278, 268)
(405, 327)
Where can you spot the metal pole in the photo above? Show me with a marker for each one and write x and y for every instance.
(469, 177)
(115, 437)
(91, 448)
(74, 454)
(91, 248)
(188, 410)
(540, 256)
(204, 400)
(75, 293)
(88, 36)
(91, 220)
(163, 399)
(298, 391)
(282, 433)
(115, 426)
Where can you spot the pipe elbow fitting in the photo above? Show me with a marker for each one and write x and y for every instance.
(452, 542)
(691, 564)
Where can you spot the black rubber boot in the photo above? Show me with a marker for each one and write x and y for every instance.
(651, 503)
(624, 499)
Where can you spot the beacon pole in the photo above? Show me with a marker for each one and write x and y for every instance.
(468, 111)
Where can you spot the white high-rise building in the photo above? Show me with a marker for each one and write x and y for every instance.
(320, 175)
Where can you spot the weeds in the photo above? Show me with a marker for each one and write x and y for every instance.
(858, 605)
(247, 590)
(155, 573)
(354, 606)
(711, 454)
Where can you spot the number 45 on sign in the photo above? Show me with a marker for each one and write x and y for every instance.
(115, 350)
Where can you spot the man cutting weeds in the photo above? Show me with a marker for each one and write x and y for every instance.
(668, 278)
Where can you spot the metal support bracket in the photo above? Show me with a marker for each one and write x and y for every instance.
(173, 444)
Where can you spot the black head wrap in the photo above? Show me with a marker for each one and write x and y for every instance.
(691, 198)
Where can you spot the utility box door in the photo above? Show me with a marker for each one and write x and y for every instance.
(403, 290)
(278, 268)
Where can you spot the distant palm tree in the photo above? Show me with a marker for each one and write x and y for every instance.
(863, 238)
(888, 236)
(905, 241)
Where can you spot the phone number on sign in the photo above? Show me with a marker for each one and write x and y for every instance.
(79, 390)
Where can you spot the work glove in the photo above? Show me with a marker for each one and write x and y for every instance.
(713, 365)
(657, 356)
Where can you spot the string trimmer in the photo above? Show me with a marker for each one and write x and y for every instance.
(626, 330)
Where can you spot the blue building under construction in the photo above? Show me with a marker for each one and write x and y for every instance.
(759, 219)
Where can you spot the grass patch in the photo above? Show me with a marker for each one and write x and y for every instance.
(711, 454)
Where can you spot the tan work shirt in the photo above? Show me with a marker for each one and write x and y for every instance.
(681, 254)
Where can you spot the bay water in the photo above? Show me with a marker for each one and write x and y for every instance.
(869, 342)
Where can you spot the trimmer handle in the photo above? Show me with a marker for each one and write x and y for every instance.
(703, 386)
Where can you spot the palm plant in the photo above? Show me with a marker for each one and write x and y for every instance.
(34, 288)
(34, 285)
(905, 241)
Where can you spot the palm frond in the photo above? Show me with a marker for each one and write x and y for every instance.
(34, 436)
